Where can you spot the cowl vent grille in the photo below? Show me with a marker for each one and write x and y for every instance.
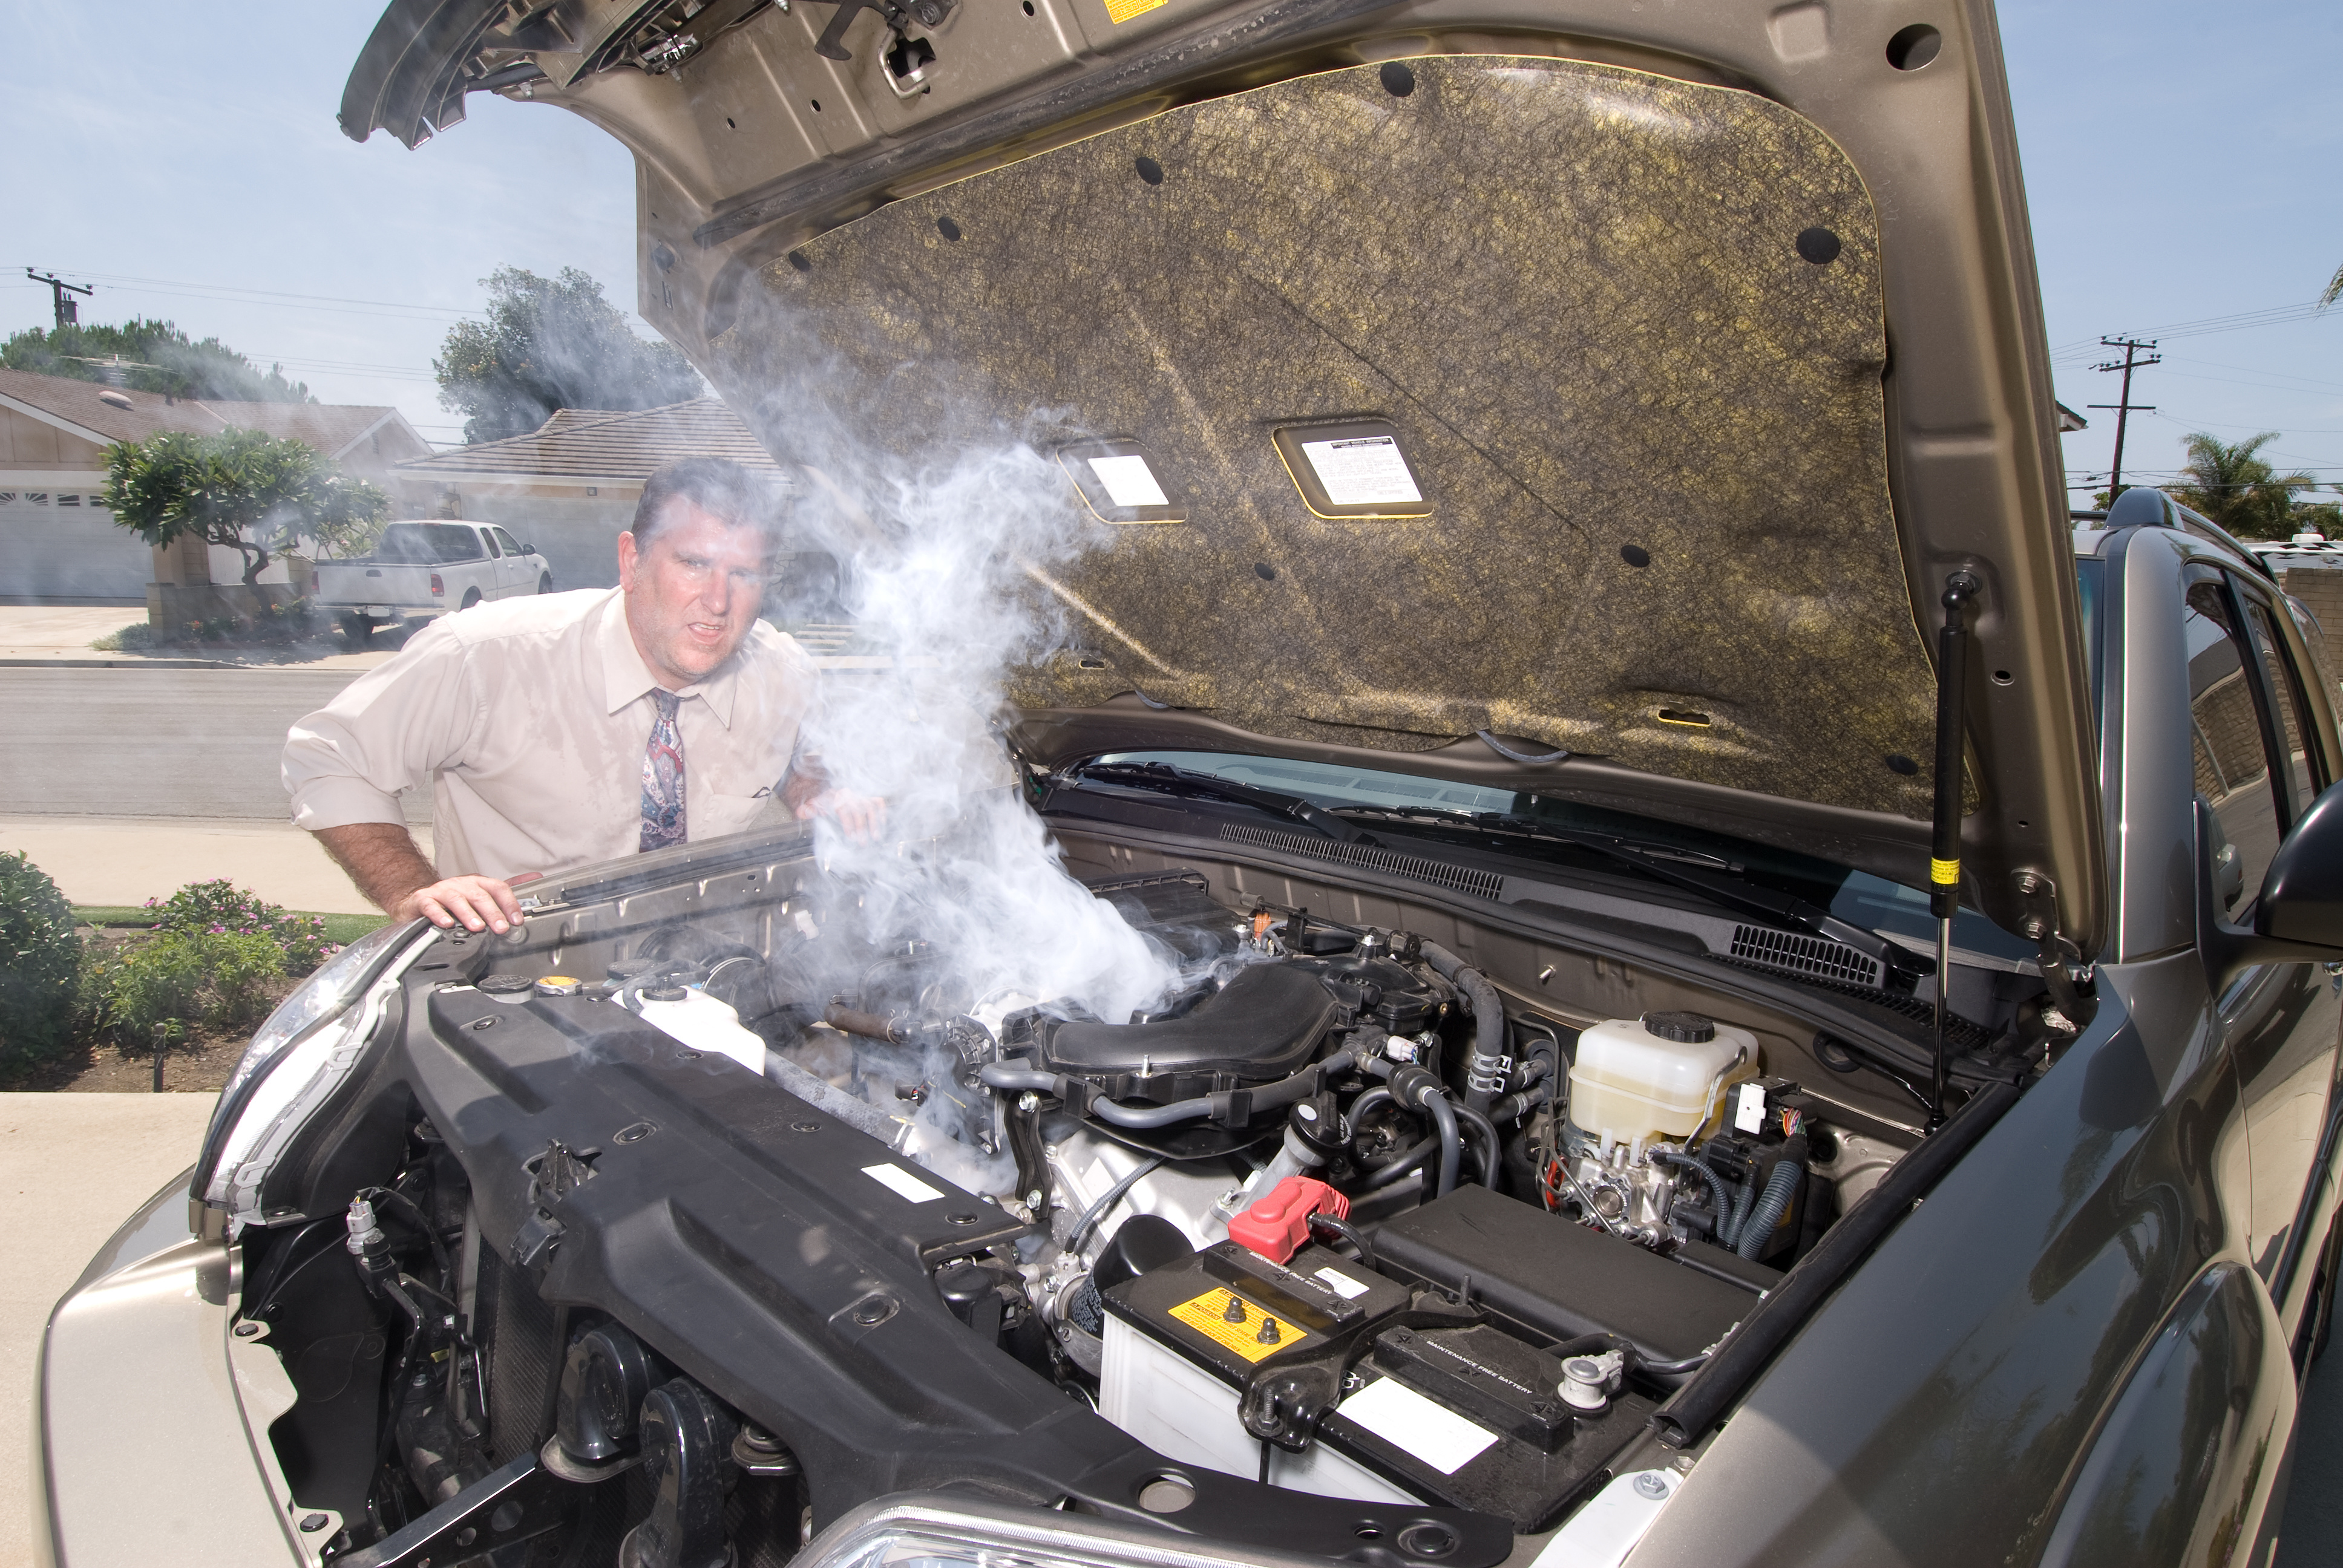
(1804, 955)
(1414, 868)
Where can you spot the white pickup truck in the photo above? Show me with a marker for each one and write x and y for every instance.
(420, 569)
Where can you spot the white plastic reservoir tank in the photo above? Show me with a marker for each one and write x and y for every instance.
(1662, 1075)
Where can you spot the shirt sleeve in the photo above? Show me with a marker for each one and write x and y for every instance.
(389, 730)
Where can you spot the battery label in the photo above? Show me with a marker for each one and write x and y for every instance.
(1210, 1315)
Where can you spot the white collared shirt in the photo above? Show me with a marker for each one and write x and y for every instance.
(528, 719)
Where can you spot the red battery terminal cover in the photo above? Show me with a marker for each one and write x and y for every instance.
(1278, 1223)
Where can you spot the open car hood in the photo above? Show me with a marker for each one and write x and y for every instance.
(1621, 385)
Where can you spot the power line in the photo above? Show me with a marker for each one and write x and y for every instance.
(2237, 321)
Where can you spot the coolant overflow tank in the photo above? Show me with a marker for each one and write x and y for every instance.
(1662, 1075)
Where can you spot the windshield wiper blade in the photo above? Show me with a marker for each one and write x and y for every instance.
(1174, 780)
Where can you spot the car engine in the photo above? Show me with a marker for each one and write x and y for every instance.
(1336, 1215)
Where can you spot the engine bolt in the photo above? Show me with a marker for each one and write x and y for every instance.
(1651, 1483)
(1268, 1334)
(1235, 1312)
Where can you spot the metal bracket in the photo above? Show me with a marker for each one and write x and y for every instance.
(519, 1500)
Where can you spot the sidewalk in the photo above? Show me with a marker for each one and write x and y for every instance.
(130, 859)
(62, 634)
(74, 1167)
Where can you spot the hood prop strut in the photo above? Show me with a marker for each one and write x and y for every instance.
(1960, 589)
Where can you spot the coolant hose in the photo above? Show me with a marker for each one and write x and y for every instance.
(1484, 1077)
(1444, 1122)
(1468, 1117)
(1781, 1186)
(1716, 1194)
(1401, 1166)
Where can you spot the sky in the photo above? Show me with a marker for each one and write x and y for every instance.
(2180, 164)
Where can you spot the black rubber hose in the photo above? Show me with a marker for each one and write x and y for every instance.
(1488, 1016)
(1700, 1168)
(1514, 1107)
(1781, 1186)
(1688, 1417)
(1003, 1075)
(1444, 1122)
(1487, 1129)
(1398, 1170)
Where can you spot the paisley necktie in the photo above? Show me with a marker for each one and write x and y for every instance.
(663, 822)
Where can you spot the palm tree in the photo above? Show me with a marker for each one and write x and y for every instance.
(2233, 485)
(2333, 289)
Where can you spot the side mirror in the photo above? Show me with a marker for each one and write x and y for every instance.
(2298, 918)
(528, 550)
(2302, 896)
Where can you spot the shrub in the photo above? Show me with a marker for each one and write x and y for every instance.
(220, 908)
(216, 978)
(39, 955)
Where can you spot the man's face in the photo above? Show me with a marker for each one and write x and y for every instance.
(692, 593)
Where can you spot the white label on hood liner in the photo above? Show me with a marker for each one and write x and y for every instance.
(1361, 470)
(904, 1185)
(1128, 481)
(1413, 1424)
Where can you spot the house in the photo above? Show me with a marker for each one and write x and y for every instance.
(569, 487)
(58, 543)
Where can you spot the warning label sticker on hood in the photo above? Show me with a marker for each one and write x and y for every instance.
(1362, 471)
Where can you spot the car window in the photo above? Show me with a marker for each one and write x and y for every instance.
(490, 536)
(429, 544)
(505, 543)
(2233, 772)
(2301, 769)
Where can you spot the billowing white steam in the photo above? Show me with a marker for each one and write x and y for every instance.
(939, 586)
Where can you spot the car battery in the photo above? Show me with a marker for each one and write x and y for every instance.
(1434, 1407)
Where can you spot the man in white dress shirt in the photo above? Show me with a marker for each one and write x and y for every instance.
(566, 728)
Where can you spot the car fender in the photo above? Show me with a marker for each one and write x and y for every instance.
(2183, 1468)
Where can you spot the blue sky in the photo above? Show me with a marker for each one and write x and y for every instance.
(2181, 162)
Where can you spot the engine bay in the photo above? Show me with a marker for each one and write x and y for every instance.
(709, 1215)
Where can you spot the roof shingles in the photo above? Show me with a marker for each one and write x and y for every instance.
(600, 444)
(330, 427)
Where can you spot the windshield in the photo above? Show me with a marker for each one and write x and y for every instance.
(1858, 898)
(429, 544)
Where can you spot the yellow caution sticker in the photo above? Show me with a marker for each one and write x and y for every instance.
(1121, 11)
(1210, 1316)
(1944, 873)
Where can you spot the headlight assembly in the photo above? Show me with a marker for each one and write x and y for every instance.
(936, 1532)
(300, 1055)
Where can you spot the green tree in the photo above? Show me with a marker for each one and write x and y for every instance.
(240, 489)
(2234, 485)
(550, 344)
(158, 357)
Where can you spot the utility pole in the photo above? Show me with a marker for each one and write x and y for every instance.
(69, 312)
(2123, 406)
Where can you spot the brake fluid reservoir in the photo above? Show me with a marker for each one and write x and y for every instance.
(1662, 1075)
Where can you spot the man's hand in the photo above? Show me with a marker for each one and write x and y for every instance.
(478, 902)
(861, 816)
(382, 860)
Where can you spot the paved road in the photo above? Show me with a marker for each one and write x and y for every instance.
(156, 742)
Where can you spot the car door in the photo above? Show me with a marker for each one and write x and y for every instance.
(2259, 764)
(515, 573)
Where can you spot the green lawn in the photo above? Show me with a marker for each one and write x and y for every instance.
(344, 929)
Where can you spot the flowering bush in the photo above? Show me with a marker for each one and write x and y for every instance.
(219, 908)
(214, 977)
